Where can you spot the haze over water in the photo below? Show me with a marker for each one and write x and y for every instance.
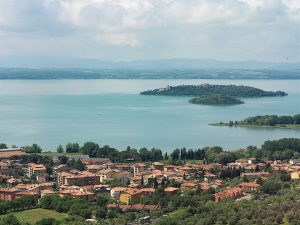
(53, 112)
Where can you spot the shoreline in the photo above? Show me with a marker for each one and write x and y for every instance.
(287, 126)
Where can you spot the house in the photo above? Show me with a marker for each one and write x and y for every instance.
(7, 194)
(294, 161)
(94, 168)
(130, 195)
(80, 178)
(168, 168)
(47, 193)
(233, 193)
(35, 170)
(171, 190)
(106, 175)
(137, 180)
(188, 186)
(79, 194)
(295, 175)
(34, 195)
(123, 167)
(252, 160)
(158, 166)
(116, 191)
(139, 168)
(249, 186)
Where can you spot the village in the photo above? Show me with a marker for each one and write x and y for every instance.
(127, 184)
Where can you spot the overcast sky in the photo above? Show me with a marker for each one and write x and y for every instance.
(151, 29)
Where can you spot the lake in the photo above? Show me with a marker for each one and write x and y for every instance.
(53, 112)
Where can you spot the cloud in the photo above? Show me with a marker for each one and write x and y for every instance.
(135, 29)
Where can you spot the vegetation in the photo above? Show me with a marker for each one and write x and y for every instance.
(216, 99)
(277, 201)
(291, 122)
(208, 89)
(33, 149)
(33, 216)
(23, 203)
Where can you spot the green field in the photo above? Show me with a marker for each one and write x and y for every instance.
(33, 215)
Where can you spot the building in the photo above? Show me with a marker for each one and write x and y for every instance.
(79, 178)
(79, 194)
(130, 195)
(295, 175)
(116, 191)
(171, 190)
(249, 186)
(37, 171)
(8, 194)
(233, 193)
(188, 186)
(158, 166)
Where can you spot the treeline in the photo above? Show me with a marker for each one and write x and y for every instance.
(285, 148)
(270, 120)
(281, 149)
(207, 154)
(19, 204)
(209, 89)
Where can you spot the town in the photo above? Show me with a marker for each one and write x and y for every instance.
(99, 190)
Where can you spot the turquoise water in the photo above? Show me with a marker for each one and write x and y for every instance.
(53, 112)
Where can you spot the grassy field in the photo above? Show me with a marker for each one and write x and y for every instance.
(280, 126)
(33, 215)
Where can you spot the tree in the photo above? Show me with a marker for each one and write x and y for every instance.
(72, 148)
(79, 165)
(63, 159)
(60, 149)
(90, 148)
(10, 219)
(3, 146)
(33, 149)
(102, 200)
(271, 187)
(166, 157)
(47, 221)
(100, 212)
(175, 154)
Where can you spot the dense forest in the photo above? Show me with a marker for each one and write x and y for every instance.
(216, 99)
(208, 89)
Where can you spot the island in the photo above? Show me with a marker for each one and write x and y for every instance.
(213, 94)
(209, 89)
(216, 99)
(266, 121)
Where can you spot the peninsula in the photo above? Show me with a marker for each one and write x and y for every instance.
(266, 121)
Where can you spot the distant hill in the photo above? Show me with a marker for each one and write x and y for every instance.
(58, 62)
(61, 68)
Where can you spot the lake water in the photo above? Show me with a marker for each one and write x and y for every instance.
(53, 112)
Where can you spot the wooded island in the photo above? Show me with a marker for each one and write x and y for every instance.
(209, 94)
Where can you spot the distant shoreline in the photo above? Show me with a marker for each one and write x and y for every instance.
(147, 73)
(278, 126)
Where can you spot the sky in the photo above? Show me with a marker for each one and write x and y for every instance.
(266, 30)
